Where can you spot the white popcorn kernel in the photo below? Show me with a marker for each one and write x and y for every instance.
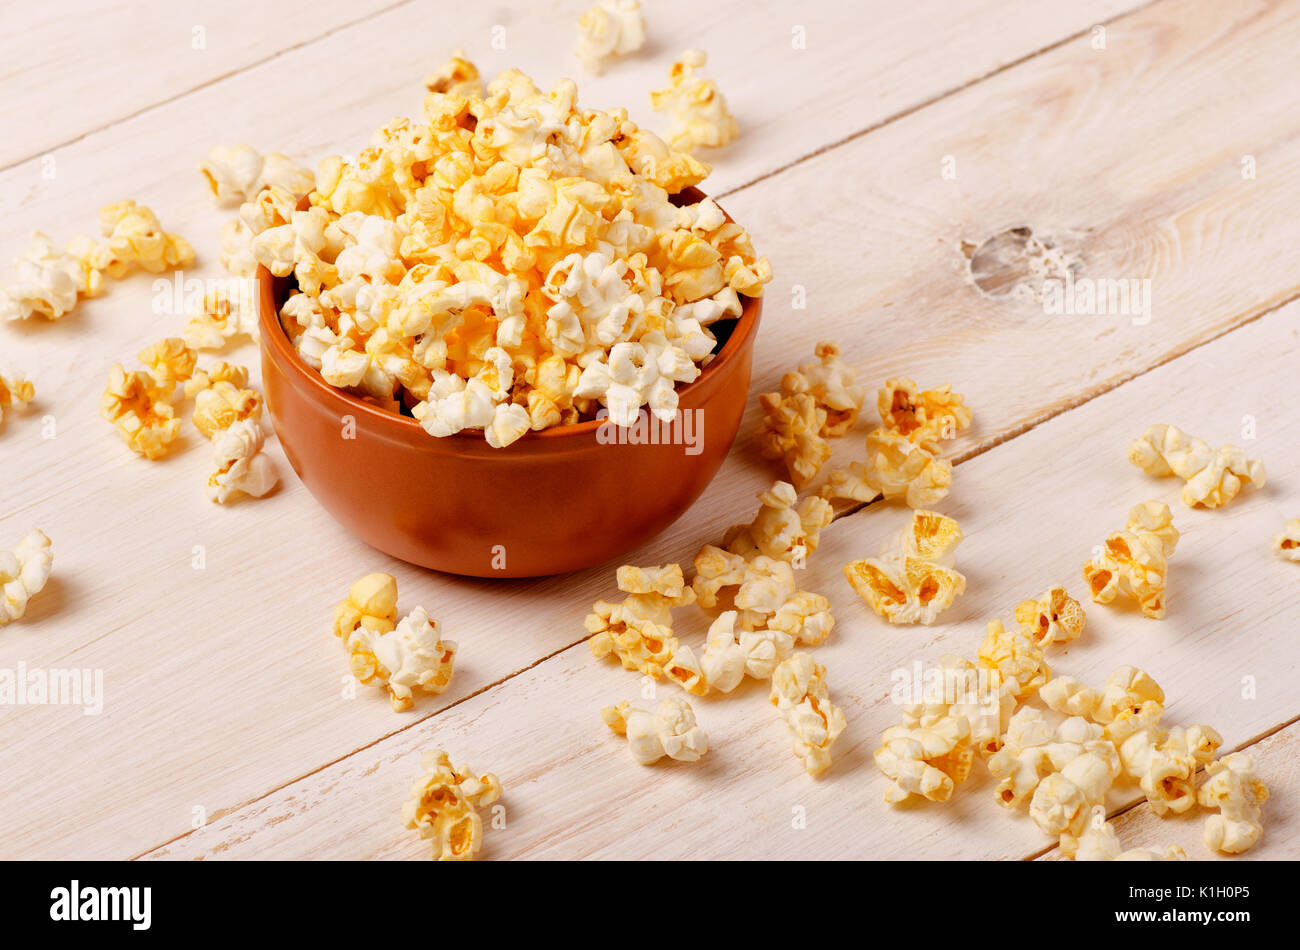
(610, 29)
(1234, 790)
(800, 694)
(24, 572)
(241, 466)
(671, 730)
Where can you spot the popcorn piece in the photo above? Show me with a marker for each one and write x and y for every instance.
(135, 238)
(927, 756)
(1286, 543)
(24, 572)
(1164, 763)
(16, 391)
(237, 173)
(456, 77)
(139, 407)
(223, 315)
(725, 660)
(1017, 656)
(718, 576)
(170, 362)
(241, 465)
(444, 805)
(48, 282)
(1213, 477)
(800, 694)
(1099, 842)
(913, 580)
(610, 29)
(1234, 790)
(218, 372)
(781, 529)
(833, 383)
(1134, 562)
(371, 604)
(697, 110)
(1063, 801)
(639, 630)
(1129, 692)
(671, 730)
(922, 416)
(896, 467)
(1055, 617)
(1023, 759)
(412, 656)
(1067, 695)
(222, 404)
(791, 431)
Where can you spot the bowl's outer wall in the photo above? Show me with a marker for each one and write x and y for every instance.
(540, 506)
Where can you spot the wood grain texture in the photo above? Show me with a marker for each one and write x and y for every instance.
(572, 791)
(1277, 763)
(224, 684)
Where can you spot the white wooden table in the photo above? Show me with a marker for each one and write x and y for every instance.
(1148, 139)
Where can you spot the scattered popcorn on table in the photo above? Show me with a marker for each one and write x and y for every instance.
(610, 29)
(141, 410)
(671, 730)
(24, 572)
(1286, 543)
(1134, 562)
(913, 580)
(1099, 842)
(1213, 477)
(696, 110)
(411, 656)
(800, 694)
(816, 402)
(1233, 789)
(48, 282)
(1053, 618)
(240, 465)
(444, 805)
(16, 391)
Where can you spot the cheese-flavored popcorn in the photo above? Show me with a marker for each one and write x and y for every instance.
(800, 694)
(444, 805)
(922, 416)
(170, 362)
(16, 391)
(48, 281)
(697, 111)
(1234, 790)
(371, 603)
(1286, 543)
(1213, 477)
(135, 238)
(782, 529)
(1134, 562)
(927, 755)
(409, 657)
(241, 466)
(24, 572)
(141, 410)
(610, 29)
(456, 77)
(1053, 618)
(913, 579)
(1099, 842)
(671, 730)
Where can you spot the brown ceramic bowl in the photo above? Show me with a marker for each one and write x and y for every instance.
(556, 500)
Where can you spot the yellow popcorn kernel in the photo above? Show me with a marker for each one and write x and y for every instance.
(408, 657)
(800, 694)
(610, 29)
(1213, 477)
(666, 580)
(896, 467)
(926, 757)
(1055, 617)
(697, 110)
(1286, 543)
(222, 404)
(48, 281)
(170, 361)
(1023, 757)
(220, 316)
(791, 432)
(671, 730)
(24, 571)
(219, 372)
(139, 408)
(456, 77)
(135, 238)
(1129, 692)
(1134, 562)
(922, 416)
(371, 604)
(913, 580)
(1164, 763)
(444, 805)
(1099, 842)
(16, 391)
(639, 630)
(718, 575)
(1234, 790)
(1016, 655)
(241, 466)
(781, 529)
(833, 383)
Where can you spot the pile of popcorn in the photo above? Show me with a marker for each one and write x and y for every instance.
(512, 262)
